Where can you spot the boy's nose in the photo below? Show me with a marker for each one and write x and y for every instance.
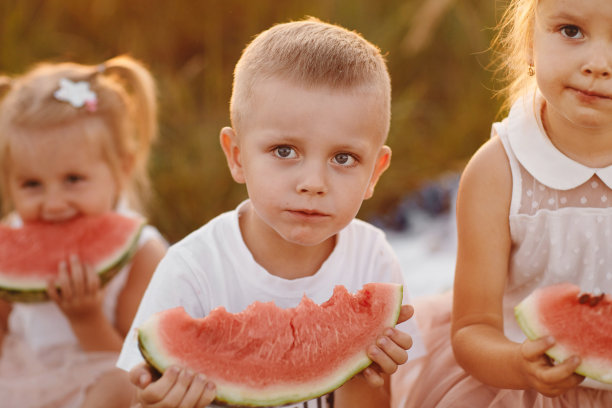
(313, 183)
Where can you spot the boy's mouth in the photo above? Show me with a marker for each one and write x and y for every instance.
(308, 213)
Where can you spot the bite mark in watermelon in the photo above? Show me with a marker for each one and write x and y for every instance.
(266, 355)
(580, 323)
(30, 255)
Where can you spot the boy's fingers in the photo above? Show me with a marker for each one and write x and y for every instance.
(373, 377)
(207, 397)
(179, 390)
(404, 340)
(396, 352)
(140, 375)
(406, 312)
(533, 350)
(197, 388)
(156, 391)
(380, 357)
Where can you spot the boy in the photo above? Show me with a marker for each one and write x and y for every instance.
(310, 112)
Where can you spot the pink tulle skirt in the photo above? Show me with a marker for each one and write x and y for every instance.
(53, 378)
(436, 380)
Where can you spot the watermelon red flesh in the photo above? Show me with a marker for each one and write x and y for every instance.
(581, 327)
(265, 355)
(30, 255)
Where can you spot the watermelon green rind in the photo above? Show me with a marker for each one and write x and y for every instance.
(29, 291)
(526, 314)
(241, 395)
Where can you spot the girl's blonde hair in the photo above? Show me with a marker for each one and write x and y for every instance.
(124, 120)
(512, 46)
(311, 53)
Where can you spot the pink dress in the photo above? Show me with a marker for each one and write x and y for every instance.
(42, 364)
(561, 226)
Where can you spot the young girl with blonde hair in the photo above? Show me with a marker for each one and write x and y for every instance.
(74, 141)
(533, 209)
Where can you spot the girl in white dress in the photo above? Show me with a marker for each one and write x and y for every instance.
(533, 209)
(74, 140)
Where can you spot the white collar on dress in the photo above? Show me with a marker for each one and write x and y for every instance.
(538, 155)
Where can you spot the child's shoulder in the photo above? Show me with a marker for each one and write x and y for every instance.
(362, 234)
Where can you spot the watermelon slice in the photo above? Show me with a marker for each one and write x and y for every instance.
(580, 323)
(30, 255)
(266, 355)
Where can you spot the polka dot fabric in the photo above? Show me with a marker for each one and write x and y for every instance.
(560, 216)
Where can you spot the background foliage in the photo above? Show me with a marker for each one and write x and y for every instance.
(436, 50)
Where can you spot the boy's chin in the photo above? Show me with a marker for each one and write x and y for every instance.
(308, 240)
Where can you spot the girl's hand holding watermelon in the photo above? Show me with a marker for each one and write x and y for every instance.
(541, 375)
(76, 290)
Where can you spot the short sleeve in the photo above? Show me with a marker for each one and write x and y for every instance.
(172, 285)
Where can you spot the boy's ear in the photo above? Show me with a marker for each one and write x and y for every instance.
(231, 148)
(382, 163)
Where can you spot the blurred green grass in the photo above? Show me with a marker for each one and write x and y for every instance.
(436, 51)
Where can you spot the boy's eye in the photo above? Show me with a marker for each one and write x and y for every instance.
(285, 152)
(571, 31)
(344, 159)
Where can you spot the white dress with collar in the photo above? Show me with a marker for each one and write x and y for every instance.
(560, 225)
(560, 214)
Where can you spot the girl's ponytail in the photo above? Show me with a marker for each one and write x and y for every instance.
(139, 85)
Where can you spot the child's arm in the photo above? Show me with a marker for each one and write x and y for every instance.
(371, 389)
(144, 263)
(484, 245)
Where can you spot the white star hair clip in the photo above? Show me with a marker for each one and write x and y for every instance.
(77, 94)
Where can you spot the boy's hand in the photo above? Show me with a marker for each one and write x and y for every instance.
(389, 351)
(177, 387)
(76, 290)
(546, 378)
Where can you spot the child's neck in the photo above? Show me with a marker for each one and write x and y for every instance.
(279, 257)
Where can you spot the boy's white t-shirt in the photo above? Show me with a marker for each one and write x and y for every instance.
(213, 267)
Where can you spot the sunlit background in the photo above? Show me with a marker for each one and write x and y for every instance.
(437, 52)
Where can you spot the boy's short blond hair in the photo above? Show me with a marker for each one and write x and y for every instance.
(313, 54)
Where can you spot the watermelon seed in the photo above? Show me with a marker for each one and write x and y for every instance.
(596, 299)
(584, 298)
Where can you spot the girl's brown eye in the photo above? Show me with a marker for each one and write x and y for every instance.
(571, 31)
